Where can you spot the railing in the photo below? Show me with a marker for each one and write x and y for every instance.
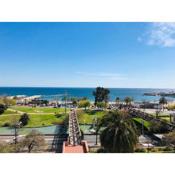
(74, 129)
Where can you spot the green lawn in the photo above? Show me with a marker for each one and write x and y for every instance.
(9, 112)
(38, 109)
(166, 118)
(39, 116)
(146, 123)
(87, 117)
(37, 120)
(8, 119)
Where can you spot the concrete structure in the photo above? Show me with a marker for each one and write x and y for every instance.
(74, 144)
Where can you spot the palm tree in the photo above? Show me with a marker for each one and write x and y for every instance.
(162, 102)
(117, 100)
(120, 135)
(128, 100)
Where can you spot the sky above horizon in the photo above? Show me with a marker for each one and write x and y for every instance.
(128, 55)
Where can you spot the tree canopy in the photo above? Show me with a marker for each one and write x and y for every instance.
(120, 134)
(128, 100)
(24, 119)
(2, 108)
(34, 141)
(101, 95)
(84, 104)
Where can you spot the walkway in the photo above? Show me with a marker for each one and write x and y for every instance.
(148, 117)
(74, 143)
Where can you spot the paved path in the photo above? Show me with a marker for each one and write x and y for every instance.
(148, 117)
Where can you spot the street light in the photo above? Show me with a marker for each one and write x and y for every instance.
(96, 130)
(17, 125)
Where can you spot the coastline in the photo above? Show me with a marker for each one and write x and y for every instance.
(52, 93)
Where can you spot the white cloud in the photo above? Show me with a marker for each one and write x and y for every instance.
(160, 34)
(104, 75)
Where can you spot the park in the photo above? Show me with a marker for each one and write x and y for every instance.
(148, 130)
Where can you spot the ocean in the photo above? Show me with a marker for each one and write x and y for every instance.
(49, 93)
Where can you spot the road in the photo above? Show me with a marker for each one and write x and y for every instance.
(91, 139)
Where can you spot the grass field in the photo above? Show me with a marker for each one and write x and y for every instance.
(8, 119)
(9, 112)
(146, 123)
(39, 116)
(38, 109)
(44, 120)
(36, 120)
(44, 116)
(87, 117)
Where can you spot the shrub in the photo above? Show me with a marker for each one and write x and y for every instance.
(168, 149)
(34, 141)
(159, 127)
(84, 104)
(101, 105)
(101, 150)
(57, 122)
(80, 113)
(171, 107)
(6, 124)
(24, 119)
(2, 108)
(140, 150)
(58, 115)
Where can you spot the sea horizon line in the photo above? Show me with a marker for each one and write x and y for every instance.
(86, 87)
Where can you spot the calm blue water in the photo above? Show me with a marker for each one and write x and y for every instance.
(137, 94)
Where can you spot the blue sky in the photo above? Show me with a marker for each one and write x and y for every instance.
(87, 54)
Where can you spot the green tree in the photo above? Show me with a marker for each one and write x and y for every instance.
(101, 105)
(101, 95)
(24, 119)
(74, 101)
(8, 101)
(163, 101)
(34, 141)
(117, 100)
(159, 127)
(120, 134)
(128, 100)
(2, 108)
(84, 104)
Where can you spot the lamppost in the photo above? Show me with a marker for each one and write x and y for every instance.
(16, 126)
(96, 130)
